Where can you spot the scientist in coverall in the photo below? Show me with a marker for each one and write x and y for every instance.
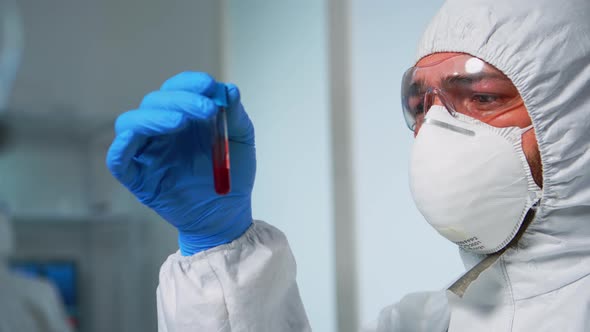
(499, 102)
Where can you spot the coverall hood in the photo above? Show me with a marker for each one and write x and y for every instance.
(543, 46)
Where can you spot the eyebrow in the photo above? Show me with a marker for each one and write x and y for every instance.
(418, 87)
(470, 79)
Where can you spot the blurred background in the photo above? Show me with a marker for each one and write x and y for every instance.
(319, 78)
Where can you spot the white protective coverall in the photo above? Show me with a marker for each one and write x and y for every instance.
(26, 304)
(543, 284)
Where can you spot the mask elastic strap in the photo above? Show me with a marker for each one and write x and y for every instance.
(525, 129)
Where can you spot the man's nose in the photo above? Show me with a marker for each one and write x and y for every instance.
(436, 101)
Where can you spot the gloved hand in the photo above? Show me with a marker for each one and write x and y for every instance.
(162, 154)
(416, 312)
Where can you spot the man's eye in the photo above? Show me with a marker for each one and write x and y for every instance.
(484, 99)
(419, 108)
(416, 104)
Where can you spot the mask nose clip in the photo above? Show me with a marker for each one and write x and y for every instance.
(443, 121)
(433, 97)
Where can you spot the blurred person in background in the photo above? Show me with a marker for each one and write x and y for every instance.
(499, 102)
(26, 304)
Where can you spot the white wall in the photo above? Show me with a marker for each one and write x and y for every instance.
(101, 57)
(40, 177)
(398, 251)
(276, 51)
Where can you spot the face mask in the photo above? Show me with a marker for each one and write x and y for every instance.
(471, 181)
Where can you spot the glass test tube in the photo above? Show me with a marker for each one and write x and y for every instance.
(220, 147)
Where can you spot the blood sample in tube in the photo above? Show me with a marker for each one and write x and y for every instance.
(221, 166)
(220, 144)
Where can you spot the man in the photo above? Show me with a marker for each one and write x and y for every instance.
(499, 101)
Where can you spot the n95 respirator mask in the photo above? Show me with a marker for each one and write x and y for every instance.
(471, 181)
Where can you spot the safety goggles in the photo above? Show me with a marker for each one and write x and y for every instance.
(463, 84)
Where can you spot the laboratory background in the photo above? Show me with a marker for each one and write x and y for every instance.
(321, 82)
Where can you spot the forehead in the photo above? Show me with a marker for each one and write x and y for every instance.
(435, 58)
(437, 67)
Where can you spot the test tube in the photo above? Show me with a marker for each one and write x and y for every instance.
(220, 144)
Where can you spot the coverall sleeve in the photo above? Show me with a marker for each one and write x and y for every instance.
(246, 285)
(415, 312)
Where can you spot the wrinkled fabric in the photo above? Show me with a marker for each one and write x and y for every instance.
(249, 285)
(29, 305)
(246, 285)
(543, 46)
(543, 284)
(415, 312)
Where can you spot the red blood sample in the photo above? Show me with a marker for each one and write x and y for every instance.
(220, 153)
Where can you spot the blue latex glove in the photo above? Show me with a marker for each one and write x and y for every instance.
(162, 154)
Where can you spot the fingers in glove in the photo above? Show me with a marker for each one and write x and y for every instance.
(195, 82)
(133, 129)
(190, 91)
(119, 158)
(196, 106)
(151, 122)
(239, 125)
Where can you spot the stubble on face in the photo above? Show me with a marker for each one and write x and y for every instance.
(530, 148)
